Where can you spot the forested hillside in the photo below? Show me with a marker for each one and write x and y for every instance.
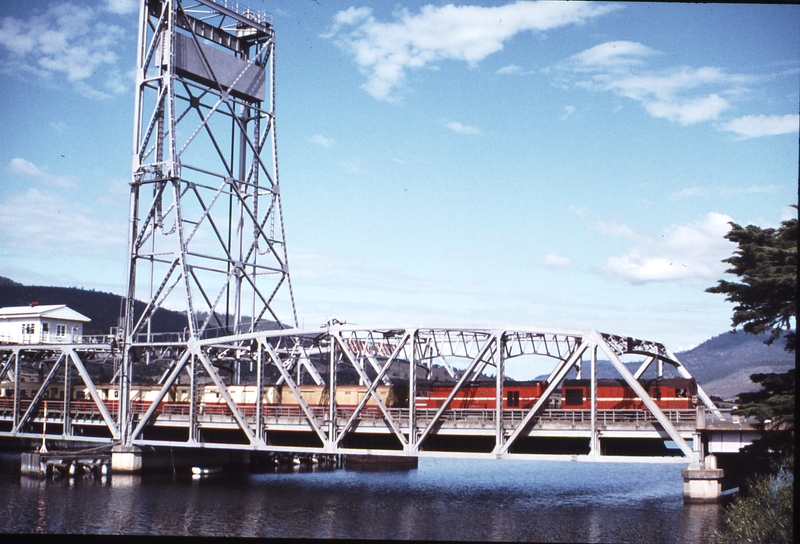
(102, 308)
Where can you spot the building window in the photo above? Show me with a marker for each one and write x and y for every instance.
(28, 328)
(61, 330)
(45, 327)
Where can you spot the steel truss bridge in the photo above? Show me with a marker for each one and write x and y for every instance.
(206, 237)
(400, 358)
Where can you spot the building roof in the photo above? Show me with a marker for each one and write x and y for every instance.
(53, 311)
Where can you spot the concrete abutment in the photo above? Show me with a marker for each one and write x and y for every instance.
(702, 483)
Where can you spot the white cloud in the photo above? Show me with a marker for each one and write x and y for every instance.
(455, 126)
(21, 168)
(511, 69)
(699, 192)
(44, 222)
(319, 139)
(568, 111)
(753, 126)
(352, 166)
(67, 41)
(122, 7)
(610, 55)
(684, 252)
(680, 94)
(615, 230)
(557, 261)
(690, 192)
(689, 112)
(385, 51)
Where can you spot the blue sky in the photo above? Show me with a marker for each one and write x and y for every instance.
(569, 165)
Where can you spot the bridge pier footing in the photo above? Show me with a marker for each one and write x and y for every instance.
(126, 459)
(702, 483)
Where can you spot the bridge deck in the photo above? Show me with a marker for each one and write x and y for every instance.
(619, 423)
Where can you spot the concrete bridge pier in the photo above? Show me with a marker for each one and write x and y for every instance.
(126, 459)
(702, 482)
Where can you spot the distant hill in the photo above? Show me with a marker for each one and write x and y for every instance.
(102, 308)
(724, 363)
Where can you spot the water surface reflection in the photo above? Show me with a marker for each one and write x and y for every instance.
(444, 499)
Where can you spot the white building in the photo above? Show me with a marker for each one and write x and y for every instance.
(51, 324)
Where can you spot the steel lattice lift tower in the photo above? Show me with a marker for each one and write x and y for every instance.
(206, 233)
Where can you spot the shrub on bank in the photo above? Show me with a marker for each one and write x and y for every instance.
(764, 515)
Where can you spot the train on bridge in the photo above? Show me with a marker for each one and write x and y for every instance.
(612, 394)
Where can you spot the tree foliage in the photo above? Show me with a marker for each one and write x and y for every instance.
(773, 406)
(766, 263)
(764, 515)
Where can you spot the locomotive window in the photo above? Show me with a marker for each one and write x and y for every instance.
(79, 395)
(512, 399)
(573, 397)
(61, 394)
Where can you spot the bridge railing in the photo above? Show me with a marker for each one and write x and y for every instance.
(86, 409)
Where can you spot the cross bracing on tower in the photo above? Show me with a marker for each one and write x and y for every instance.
(206, 232)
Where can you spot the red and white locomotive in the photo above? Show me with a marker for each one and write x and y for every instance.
(669, 394)
(480, 395)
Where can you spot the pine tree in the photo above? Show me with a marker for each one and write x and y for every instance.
(766, 263)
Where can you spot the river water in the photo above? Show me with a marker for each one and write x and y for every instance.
(443, 499)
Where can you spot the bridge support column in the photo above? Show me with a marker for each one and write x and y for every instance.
(702, 484)
(126, 459)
